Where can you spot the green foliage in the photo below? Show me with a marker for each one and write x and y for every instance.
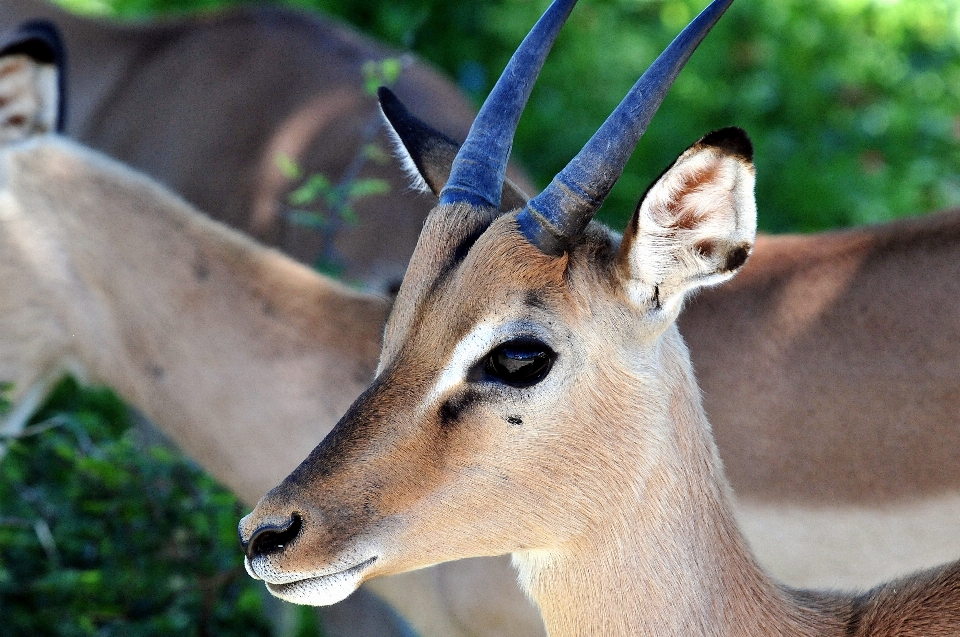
(377, 73)
(319, 203)
(101, 534)
(5, 390)
(852, 104)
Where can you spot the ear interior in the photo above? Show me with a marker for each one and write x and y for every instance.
(695, 226)
(427, 154)
(31, 82)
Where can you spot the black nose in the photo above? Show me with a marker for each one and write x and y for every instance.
(271, 537)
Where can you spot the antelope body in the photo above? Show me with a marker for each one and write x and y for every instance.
(534, 397)
(106, 274)
(206, 106)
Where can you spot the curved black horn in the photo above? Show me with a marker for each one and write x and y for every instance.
(563, 210)
(479, 169)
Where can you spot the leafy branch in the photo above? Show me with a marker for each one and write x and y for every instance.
(320, 203)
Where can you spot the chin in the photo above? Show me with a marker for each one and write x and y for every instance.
(317, 591)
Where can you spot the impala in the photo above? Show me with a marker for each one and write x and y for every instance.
(191, 349)
(206, 105)
(534, 397)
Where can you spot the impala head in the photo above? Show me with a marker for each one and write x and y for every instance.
(518, 343)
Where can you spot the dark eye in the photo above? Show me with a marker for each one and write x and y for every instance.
(520, 362)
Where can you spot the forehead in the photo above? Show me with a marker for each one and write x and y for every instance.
(503, 277)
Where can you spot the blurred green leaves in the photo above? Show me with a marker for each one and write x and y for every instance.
(377, 73)
(104, 534)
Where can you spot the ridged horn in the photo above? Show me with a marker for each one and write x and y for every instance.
(480, 167)
(562, 211)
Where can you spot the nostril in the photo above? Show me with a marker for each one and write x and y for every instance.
(270, 537)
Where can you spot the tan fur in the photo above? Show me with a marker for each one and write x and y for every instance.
(305, 401)
(788, 259)
(607, 489)
(220, 342)
(102, 266)
(240, 355)
(204, 105)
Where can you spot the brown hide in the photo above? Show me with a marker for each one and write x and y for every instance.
(802, 458)
(206, 104)
(607, 488)
(830, 366)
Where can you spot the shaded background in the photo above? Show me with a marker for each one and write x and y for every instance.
(853, 105)
(854, 108)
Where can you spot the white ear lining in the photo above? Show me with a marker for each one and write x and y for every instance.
(416, 181)
(48, 87)
(685, 236)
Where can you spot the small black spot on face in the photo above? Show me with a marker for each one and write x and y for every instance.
(515, 420)
(156, 371)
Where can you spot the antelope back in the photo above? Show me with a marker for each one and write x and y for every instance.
(509, 369)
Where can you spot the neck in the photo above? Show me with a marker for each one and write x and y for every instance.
(668, 558)
(180, 315)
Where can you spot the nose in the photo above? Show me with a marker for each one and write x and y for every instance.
(270, 537)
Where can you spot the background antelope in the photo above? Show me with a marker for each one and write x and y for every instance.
(534, 396)
(206, 105)
(881, 269)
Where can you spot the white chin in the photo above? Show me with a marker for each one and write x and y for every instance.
(317, 591)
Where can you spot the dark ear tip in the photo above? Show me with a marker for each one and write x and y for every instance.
(40, 39)
(393, 109)
(385, 95)
(733, 140)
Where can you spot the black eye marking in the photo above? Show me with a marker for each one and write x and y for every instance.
(521, 362)
(452, 408)
(515, 420)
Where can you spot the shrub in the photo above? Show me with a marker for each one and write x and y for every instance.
(102, 533)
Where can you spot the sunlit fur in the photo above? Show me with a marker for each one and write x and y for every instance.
(821, 284)
(610, 494)
(677, 252)
(243, 357)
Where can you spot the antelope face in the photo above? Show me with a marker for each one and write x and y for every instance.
(515, 342)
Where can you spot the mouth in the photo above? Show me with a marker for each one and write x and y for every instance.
(319, 590)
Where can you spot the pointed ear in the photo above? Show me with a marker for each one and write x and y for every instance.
(695, 226)
(31, 82)
(427, 154)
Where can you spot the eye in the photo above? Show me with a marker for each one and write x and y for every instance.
(521, 362)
